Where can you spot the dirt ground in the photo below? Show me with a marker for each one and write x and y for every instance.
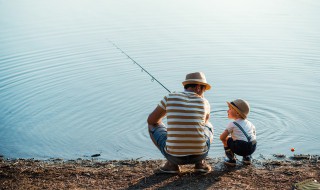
(277, 173)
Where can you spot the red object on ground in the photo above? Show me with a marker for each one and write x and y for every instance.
(292, 149)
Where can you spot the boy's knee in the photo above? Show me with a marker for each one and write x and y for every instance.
(222, 138)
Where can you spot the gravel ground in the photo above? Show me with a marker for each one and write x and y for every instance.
(277, 173)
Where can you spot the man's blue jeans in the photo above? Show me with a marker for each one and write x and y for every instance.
(159, 133)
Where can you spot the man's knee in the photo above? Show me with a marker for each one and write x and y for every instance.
(151, 128)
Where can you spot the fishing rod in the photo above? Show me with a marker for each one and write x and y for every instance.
(142, 69)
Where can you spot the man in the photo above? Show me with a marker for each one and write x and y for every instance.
(187, 138)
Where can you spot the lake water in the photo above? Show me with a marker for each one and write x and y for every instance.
(67, 92)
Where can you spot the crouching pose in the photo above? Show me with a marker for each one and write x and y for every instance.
(187, 137)
(243, 133)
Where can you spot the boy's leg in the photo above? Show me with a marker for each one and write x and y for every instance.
(227, 144)
(231, 160)
(247, 158)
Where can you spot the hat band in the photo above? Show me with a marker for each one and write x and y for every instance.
(234, 105)
(195, 80)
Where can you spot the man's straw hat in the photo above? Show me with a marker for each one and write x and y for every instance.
(196, 78)
(241, 106)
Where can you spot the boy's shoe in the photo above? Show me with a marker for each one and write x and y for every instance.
(247, 160)
(170, 168)
(229, 153)
(230, 162)
(202, 166)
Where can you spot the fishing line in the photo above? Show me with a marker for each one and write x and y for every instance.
(142, 69)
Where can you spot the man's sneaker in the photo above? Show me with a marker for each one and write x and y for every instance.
(247, 160)
(170, 168)
(230, 162)
(202, 166)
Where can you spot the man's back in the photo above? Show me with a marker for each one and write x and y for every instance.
(186, 114)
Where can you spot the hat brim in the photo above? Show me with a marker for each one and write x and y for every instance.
(237, 110)
(208, 86)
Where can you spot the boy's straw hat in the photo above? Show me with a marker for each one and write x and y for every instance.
(196, 78)
(241, 106)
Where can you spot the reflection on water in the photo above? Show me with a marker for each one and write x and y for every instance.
(66, 91)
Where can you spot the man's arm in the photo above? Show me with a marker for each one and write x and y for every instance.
(156, 116)
(207, 118)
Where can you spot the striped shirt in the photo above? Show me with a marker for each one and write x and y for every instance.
(186, 114)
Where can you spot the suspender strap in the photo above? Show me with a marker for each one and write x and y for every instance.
(249, 138)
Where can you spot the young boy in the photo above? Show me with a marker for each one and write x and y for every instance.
(243, 133)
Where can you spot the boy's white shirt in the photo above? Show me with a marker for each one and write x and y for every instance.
(237, 134)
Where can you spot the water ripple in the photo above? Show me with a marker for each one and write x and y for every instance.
(67, 92)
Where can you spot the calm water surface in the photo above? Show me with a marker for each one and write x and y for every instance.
(66, 91)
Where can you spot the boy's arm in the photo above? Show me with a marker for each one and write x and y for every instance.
(224, 135)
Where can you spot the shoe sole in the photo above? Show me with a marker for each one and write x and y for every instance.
(230, 164)
(202, 170)
(169, 172)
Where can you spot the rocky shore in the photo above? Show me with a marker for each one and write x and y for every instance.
(277, 173)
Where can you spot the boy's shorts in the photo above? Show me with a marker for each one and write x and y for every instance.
(242, 148)
(159, 133)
